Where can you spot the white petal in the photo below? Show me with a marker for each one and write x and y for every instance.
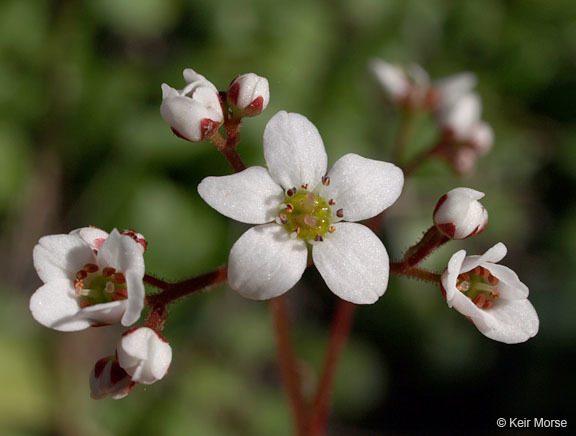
(265, 262)
(122, 253)
(493, 255)
(54, 305)
(136, 295)
(451, 88)
(191, 76)
(185, 116)
(144, 355)
(294, 151)
(450, 276)
(363, 187)
(391, 77)
(61, 256)
(353, 263)
(509, 285)
(93, 236)
(463, 115)
(509, 321)
(105, 314)
(250, 196)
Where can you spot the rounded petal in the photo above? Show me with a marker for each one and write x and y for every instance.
(186, 116)
(54, 305)
(493, 255)
(250, 196)
(104, 314)
(509, 285)
(294, 151)
(391, 77)
(122, 253)
(510, 321)
(265, 262)
(462, 115)
(450, 277)
(363, 187)
(93, 236)
(135, 302)
(144, 355)
(451, 88)
(353, 263)
(61, 256)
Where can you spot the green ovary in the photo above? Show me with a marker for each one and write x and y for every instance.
(308, 214)
(97, 291)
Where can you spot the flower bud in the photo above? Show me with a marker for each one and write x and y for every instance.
(459, 214)
(194, 113)
(481, 138)
(138, 237)
(108, 379)
(248, 94)
(144, 354)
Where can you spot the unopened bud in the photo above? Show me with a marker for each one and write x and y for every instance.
(194, 113)
(138, 237)
(459, 214)
(108, 379)
(248, 94)
(144, 354)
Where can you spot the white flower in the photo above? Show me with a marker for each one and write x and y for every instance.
(294, 203)
(86, 286)
(108, 379)
(461, 117)
(412, 86)
(490, 295)
(194, 113)
(459, 214)
(248, 94)
(144, 355)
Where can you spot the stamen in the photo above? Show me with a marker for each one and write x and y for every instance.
(488, 305)
(331, 202)
(283, 218)
(80, 275)
(291, 192)
(305, 187)
(340, 213)
(118, 278)
(480, 300)
(289, 208)
(108, 271)
(325, 180)
(331, 229)
(495, 294)
(493, 280)
(78, 285)
(90, 268)
(318, 238)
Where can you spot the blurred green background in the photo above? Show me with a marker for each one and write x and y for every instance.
(82, 142)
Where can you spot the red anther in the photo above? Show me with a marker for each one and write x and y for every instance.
(283, 218)
(108, 271)
(479, 300)
(465, 277)
(305, 187)
(485, 273)
(78, 284)
(331, 229)
(488, 305)
(325, 180)
(476, 271)
(291, 192)
(495, 295)
(340, 213)
(90, 268)
(120, 294)
(331, 202)
(289, 208)
(493, 280)
(318, 238)
(84, 303)
(80, 275)
(118, 278)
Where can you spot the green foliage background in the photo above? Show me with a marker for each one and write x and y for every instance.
(82, 142)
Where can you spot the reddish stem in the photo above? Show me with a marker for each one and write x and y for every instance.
(431, 241)
(287, 362)
(417, 273)
(341, 326)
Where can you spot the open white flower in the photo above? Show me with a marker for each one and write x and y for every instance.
(295, 203)
(88, 281)
(144, 355)
(194, 113)
(490, 295)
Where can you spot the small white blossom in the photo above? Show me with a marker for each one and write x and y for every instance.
(144, 355)
(295, 203)
(248, 94)
(194, 113)
(490, 295)
(459, 214)
(108, 379)
(412, 86)
(88, 280)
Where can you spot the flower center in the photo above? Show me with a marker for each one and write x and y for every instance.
(306, 214)
(97, 287)
(480, 286)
